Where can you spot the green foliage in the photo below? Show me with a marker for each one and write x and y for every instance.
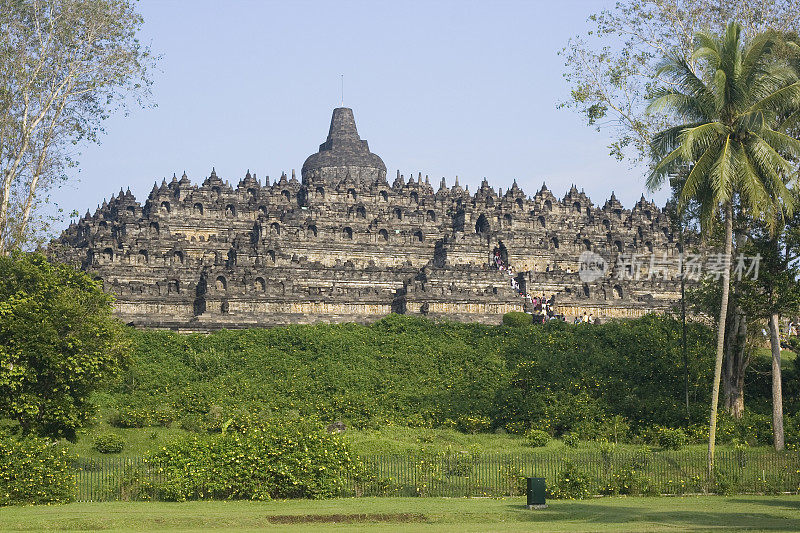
(670, 438)
(517, 318)
(571, 484)
(131, 417)
(537, 438)
(58, 344)
(604, 382)
(33, 470)
(474, 424)
(571, 440)
(109, 443)
(278, 459)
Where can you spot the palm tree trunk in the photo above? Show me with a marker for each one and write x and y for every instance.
(777, 393)
(723, 315)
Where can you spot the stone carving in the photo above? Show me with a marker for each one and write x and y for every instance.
(342, 244)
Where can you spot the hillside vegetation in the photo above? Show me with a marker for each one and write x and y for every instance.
(613, 380)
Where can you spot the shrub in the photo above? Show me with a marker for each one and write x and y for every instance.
(517, 319)
(571, 440)
(131, 417)
(537, 438)
(571, 484)
(474, 424)
(280, 459)
(671, 439)
(109, 443)
(33, 470)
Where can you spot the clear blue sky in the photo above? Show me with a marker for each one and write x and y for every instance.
(443, 88)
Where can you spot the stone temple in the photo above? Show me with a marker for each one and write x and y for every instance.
(342, 244)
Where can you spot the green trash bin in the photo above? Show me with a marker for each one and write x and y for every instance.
(535, 493)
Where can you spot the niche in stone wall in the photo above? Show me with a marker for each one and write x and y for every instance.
(418, 237)
(576, 208)
(542, 222)
(173, 286)
(384, 196)
(414, 197)
(398, 213)
(141, 257)
(586, 292)
(347, 233)
(648, 215)
(489, 201)
(320, 193)
(230, 210)
(274, 229)
(606, 224)
(107, 255)
(197, 209)
(177, 257)
(518, 202)
(231, 262)
(154, 228)
(221, 283)
(361, 212)
(440, 255)
(618, 245)
(215, 193)
(131, 210)
(507, 218)
(548, 205)
(618, 212)
(351, 194)
(224, 307)
(430, 216)
(649, 246)
(165, 207)
(587, 245)
(311, 231)
(251, 193)
(482, 225)
(262, 210)
(259, 285)
(617, 292)
(285, 196)
(271, 256)
(554, 242)
(383, 235)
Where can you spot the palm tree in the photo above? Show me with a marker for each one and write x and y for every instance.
(730, 144)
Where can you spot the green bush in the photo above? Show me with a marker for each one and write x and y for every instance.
(109, 443)
(572, 484)
(281, 459)
(537, 438)
(33, 470)
(517, 318)
(131, 417)
(474, 424)
(671, 439)
(571, 440)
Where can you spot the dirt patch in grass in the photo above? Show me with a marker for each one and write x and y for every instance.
(346, 518)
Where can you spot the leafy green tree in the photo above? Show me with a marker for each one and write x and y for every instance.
(773, 293)
(612, 68)
(58, 343)
(730, 139)
(65, 66)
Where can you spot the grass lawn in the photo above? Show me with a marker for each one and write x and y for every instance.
(752, 513)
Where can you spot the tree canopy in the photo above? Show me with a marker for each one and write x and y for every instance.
(58, 343)
(65, 66)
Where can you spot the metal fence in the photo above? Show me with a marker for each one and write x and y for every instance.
(465, 474)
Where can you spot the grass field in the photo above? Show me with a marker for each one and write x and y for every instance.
(752, 513)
